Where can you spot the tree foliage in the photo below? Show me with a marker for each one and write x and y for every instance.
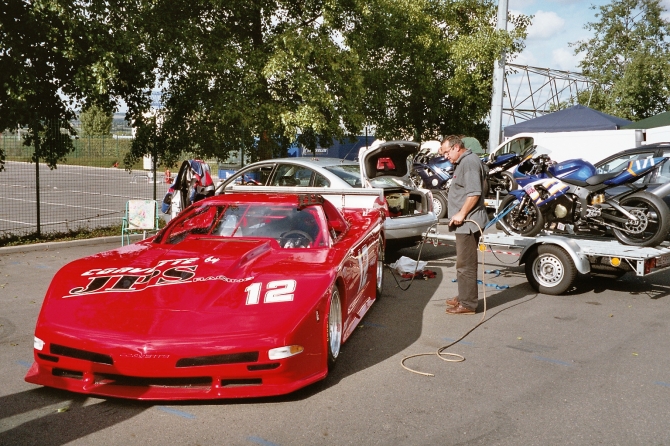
(428, 64)
(630, 52)
(250, 75)
(55, 55)
(95, 121)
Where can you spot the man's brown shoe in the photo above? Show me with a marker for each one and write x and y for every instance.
(453, 302)
(460, 309)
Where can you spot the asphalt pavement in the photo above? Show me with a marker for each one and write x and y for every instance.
(585, 368)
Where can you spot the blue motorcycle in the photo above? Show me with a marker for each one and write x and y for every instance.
(571, 197)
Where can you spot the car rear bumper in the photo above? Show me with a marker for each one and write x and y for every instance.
(408, 227)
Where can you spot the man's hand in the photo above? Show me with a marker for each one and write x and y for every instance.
(460, 216)
(457, 219)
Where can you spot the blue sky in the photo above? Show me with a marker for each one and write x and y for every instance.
(556, 24)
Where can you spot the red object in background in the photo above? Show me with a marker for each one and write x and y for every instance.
(168, 176)
(385, 164)
(216, 305)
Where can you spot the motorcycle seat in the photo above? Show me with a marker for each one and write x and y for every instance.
(591, 181)
(600, 178)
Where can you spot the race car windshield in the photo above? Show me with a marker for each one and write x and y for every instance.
(290, 226)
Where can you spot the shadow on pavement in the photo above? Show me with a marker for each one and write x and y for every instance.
(66, 418)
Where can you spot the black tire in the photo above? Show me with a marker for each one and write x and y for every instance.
(379, 268)
(524, 219)
(654, 220)
(334, 327)
(550, 270)
(508, 182)
(439, 205)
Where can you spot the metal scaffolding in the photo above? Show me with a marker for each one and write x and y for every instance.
(531, 92)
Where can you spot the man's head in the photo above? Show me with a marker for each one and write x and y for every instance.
(452, 147)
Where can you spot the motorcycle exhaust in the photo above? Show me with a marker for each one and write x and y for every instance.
(661, 191)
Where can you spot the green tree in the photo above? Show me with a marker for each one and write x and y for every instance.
(630, 52)
(428, 64)
(57, 54)
(249, 75)
(95, 121)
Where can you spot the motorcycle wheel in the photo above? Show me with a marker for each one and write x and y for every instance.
(439, 205)
(654, 222)
(524, 219)
(507, 181)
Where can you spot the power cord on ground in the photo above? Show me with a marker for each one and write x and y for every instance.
(440, 352)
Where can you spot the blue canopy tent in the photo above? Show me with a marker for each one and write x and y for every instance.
(572, 119)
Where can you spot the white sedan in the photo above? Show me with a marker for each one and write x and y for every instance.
(384, 165)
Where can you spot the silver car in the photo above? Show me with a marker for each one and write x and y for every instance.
(384, 165)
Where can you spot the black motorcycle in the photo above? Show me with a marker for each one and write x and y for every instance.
(500, 180)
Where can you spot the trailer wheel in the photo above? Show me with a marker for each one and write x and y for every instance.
(550, 270)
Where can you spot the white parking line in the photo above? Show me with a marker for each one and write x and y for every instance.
(18, 222)
(66, 205)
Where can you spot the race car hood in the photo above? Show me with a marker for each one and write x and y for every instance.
(196, 288)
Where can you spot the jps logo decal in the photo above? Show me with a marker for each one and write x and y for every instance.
(130, 279)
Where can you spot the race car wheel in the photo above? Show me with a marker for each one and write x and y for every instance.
(334, 327)
(380, 268)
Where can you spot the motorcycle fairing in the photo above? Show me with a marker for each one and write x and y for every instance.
(554, 187)
(576, 169)
(636, 168)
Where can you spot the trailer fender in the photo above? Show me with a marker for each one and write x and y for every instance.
(580, 260)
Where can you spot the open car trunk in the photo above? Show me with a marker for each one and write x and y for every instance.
(387, 165)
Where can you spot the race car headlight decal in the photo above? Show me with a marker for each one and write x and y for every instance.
(38, 344)
(285, 352)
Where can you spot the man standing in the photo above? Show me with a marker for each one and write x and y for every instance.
(465, 202)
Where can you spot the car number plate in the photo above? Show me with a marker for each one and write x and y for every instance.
(663, 260)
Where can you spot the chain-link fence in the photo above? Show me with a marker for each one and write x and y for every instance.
(88, 190)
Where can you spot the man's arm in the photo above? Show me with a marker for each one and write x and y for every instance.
(470, 203)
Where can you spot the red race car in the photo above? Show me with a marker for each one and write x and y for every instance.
(244, 294)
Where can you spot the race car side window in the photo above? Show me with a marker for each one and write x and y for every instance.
(198, 220)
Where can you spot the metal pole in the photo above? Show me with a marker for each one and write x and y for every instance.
(154, 162)
(37, 190)
(498, 80)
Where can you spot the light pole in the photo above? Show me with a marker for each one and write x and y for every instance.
(498, 82)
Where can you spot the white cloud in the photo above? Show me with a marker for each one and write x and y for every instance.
(525, 58)
(545, 25)
(565, 59)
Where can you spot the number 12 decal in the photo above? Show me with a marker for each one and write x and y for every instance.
(277, 291)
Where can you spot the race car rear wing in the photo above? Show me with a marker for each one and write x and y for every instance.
(353, 198)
